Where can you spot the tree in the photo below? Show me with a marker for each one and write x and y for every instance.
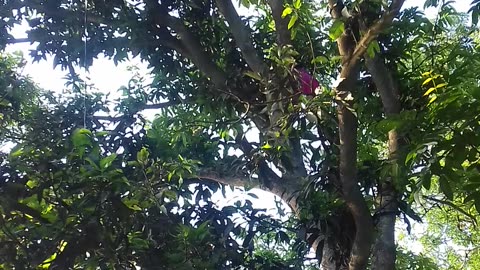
(349, 161)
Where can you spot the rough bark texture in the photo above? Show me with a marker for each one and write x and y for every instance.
(384, 252)
(347, 122)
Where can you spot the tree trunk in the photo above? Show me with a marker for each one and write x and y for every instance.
(347, 121)
(384, 252)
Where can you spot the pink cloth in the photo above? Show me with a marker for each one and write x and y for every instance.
(307, 82)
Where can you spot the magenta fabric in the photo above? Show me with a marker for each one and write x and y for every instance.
(307, 82)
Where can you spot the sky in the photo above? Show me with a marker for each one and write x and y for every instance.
(108, 78)
(105, 75)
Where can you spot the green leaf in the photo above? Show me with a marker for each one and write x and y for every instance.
(475, 16)
(132, 204)
(430, 90)
(107, 161)
(411, 156)
(136, 241)
(32, 183)
(445, 186)
(428, 73)
(336, 30)
(287, 11)
(17, 152)
(253, 75)
(294, 33)
(292, 21)
(373, 48)
(386, 125)
(266, 146)
(427, 181)
(82, 138)
(319, 60)
(92, 163)
(282, 237)
(297, 4)
(142, 156)
(427, 81)
(440, 85)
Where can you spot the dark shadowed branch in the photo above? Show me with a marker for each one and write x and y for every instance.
(242, 36)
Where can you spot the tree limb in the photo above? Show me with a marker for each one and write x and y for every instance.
(281, 24)
(376, 29)
(384, 252)
(199, 56)
(242, 36)
(17, 40)
(267, 180)
(238, 181)
(384, 83)
(174, 44)
(452, 205)
(347, 122)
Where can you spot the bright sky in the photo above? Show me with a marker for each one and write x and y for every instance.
(108, 78)
(105, 75)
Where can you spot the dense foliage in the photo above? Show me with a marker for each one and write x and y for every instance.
(390, 138)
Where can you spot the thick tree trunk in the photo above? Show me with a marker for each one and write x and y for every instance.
(384, 252)
(354, 200)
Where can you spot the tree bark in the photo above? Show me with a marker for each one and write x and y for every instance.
(351, 193)
(281, 24)
(351, 52)
(384, 251)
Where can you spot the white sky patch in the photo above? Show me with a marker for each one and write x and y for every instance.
(105, 76)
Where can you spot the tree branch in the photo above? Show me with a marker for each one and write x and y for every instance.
(160, 105)
(175, 44)
(347, 122)
(145, 107)
(385, 84)
(17, 40)
(384, 253)
(199, 56)
(376, 29)
(242, 36)
(281, 24)
(238, 181)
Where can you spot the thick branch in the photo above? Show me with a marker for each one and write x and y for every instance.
(174, 44)
(385, 84)
(196, 52)
(199, 56)
(384, 254)
(281, 24)
(376, 29)
(17, 40)
(285, 187)
(267, 180)
(242, 36)
(347, 121)
(237, 181)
